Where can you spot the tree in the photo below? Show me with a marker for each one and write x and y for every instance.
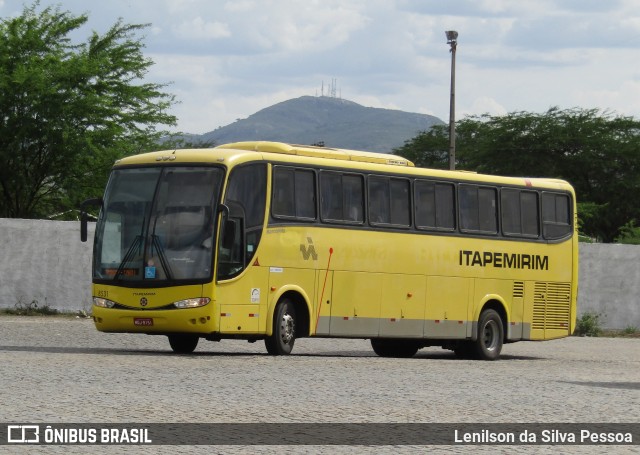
(67, 111)
(597, 152)
(429, 149)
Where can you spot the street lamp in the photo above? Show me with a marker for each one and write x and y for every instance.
(452, 39)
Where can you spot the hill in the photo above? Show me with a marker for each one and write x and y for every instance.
(336, 122)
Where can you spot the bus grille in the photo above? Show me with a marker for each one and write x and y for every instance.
(551, 305)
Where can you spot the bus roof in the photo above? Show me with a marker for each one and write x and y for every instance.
(353, 159)
(318, 152)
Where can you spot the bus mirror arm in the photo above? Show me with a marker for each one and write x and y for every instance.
(84, 216)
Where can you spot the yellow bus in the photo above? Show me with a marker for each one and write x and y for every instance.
(272, 241)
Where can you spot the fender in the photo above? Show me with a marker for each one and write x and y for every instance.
(275, 297)
(478, 309)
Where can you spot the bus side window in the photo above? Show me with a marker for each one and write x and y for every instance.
(519, 212)
(425, 204)
(379, 200)
(283, 192)
(400, 201)
(478, 209)
(294, 193)
(556, 219)
(445, 206)
(353, 198)
(434, 205)
(342, 197)
(389, 201)
(468, 196)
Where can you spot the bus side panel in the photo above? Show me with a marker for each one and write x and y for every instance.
(243, 301)
(321, 318)
(402, 306)
(447, 311)
(355, 307)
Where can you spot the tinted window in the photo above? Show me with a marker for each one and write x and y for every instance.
(478, 210)
(342, 197)
(556, 216)
(247, 191)
(247, 186)
(434, 205)
(294, 193)
(529, 213)
(389, 201)
(519, 212)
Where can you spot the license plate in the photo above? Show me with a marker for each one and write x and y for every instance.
(143, 321)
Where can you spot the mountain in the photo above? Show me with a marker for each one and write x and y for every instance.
(337, 122)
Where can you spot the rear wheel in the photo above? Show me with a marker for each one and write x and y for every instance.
(490, 336)
(183, 344)
(284, 329)
(394, 348)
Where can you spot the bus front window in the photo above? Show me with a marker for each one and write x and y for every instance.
(157, 225)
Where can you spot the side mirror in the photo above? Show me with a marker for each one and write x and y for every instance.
(84, 216)
(229, 233)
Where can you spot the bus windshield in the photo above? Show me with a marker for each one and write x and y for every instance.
(157, 225)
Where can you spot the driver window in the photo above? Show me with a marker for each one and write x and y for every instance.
(246, 197)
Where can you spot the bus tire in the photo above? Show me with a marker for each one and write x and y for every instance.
(183, 344)
(490, 336)
(281, 341)
(394, 348)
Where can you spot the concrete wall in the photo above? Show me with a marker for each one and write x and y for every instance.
(45, 261)
(609, 283)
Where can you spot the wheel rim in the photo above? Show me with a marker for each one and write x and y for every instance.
(287, 328)
(490, 336)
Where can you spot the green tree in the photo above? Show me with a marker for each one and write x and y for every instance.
(429, 149)
(597, 152)
(67, 111)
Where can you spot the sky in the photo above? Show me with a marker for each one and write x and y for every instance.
(225, 60)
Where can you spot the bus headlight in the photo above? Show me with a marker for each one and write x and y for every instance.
(192, 303)
(103, 303)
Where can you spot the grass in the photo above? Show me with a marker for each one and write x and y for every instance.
(589, 324)
(627, 332)
(30, 309)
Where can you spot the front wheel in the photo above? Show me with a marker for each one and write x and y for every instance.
(490, 336)
(183, 344)
(284, 329)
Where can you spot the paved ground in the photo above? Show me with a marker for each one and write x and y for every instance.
(63, 370)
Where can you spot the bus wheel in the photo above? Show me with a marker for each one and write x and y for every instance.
(394, 348)
(490, 336)
(284, 330)
(183, 344)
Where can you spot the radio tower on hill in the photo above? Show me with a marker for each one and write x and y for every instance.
(332, 89)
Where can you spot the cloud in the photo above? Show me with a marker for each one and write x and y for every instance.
(199, 29)
(228, 59)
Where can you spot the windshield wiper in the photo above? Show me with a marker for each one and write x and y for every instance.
(128, 256)
(161, 255)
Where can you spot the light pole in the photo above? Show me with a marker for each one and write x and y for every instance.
(452, 39)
